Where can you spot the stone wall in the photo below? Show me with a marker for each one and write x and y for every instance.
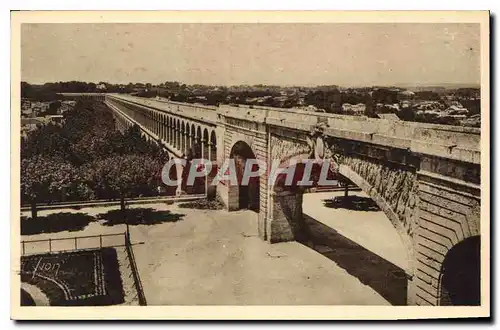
(284, 148)
(254, 134)
(396, 187)
(449, 213)
(286, 216)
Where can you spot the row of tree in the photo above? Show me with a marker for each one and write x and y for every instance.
(85, 158)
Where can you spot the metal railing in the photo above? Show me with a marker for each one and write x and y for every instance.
(79, 243)
(135, 271)
(76, 243)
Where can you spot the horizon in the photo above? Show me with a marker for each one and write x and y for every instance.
(402, 85)
(419, 54)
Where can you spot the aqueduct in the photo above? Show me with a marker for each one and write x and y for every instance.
(425, 177)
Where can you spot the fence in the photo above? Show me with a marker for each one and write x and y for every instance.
(131, 201)
(72, 243)
(77, 243)
(135, 271)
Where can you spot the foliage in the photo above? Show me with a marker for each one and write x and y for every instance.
(46, 179)
(122, 176)
(204, 204)
(47, 141)
(54, 107)
(87, 158)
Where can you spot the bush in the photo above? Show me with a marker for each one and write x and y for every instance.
(204, 204)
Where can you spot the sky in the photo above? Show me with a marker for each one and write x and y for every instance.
(232, 54)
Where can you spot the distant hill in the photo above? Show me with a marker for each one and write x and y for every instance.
(417, 87)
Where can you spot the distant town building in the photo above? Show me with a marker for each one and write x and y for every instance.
(101, 87)
(472, 121)
(30, 124)
(355, 109)
(406, 95)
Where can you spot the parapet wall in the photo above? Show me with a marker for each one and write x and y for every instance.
(452, 142)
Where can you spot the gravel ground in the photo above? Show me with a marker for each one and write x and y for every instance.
(209, 257)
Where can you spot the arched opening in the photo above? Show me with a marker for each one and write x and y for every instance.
(247, 194)
(169, 130)
(164, 127)
(178, 134)
(172, 131)
(193, 140)
(183, 138)
(188, 141)
(460, 280)
(152, 122)
(213, 147)
(206, 142)
(198, 146)
(155, 123)
(352, 228)
(160, 125)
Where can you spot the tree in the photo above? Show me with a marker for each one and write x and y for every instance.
(96, 145)
(47, 140)
(54, 107)
(44, 179)
(344, 182)
(407, 114)
(125, 176)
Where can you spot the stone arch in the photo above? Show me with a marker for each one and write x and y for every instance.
(355, 171)
(183, 137)
(365, 186)
(213, 145)
(158, 124)
(165, 127)
(199, 145)
(178, 134)
(193, 139)
(162, 126)
(460, 274)
(170, 130)
(187, 134)
(206, 142)
(242, 196)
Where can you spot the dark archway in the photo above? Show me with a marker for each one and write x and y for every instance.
(206, 142)
(183, 137)
(213, 147)
(198, 143)
(461, 274)
(248, 194)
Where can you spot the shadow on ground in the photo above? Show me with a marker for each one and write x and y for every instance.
(138, 216)
(55, 222)
(355, 203)
(387, 279)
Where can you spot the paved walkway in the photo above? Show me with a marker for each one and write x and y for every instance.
(370, 229)
(216, 258)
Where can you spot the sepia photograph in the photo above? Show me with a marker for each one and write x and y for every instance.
(293, 165)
